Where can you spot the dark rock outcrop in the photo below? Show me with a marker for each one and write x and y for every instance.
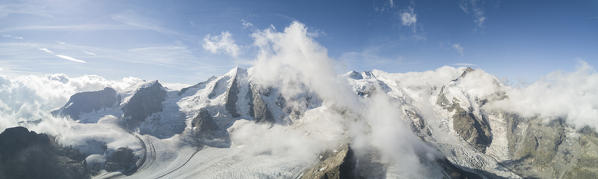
(204, 125)
(146, 101)
(473, 129)
(258, 108)
(232, 97)
(450, 170)
(122, 160)
(26, 154)
(85, 102)
(335, 165)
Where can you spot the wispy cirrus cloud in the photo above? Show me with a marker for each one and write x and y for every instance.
(246, 24)
(89, 53)
(159, 61)
(77, 27)
(368, 58)
(465, 64)
(71, 59)
(473, 8)
(458, 48)
(46, 50)
(15, 37)
(133, 19)
(24, 8)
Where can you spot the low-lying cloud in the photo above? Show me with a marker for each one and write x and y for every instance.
(571, 96)
(32, 97)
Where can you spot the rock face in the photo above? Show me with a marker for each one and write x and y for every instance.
(471, 128)
(85, 102)
(122, 160)
(258, 109)
(551, 150)
(146, 101)
(232, 97)
(336, 165)
(25, 154)
(204, 125)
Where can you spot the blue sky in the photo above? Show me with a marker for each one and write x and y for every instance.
(168, 40)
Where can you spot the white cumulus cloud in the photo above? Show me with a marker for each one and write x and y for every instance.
(408, 17)
(222, 43)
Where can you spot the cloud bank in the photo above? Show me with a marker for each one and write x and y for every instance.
(571, 96)
(32, 97)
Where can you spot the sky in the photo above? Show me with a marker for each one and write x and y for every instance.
(189, 41)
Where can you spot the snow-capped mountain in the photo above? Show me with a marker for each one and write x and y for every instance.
(445, 123)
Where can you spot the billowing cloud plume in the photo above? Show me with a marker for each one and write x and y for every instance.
(296, 57)
(292, 61)
(222, 43)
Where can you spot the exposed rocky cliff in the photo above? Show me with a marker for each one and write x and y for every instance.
(26, 154)
(85, 102)
(146, 101)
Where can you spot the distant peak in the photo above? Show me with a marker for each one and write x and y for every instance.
(354, 75)
(465, 72)
(154, 83)
(235, 71)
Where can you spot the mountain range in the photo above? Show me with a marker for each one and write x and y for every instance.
(446, 123)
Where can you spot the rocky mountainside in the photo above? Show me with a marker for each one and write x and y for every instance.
(26, 154)
(235, 125)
